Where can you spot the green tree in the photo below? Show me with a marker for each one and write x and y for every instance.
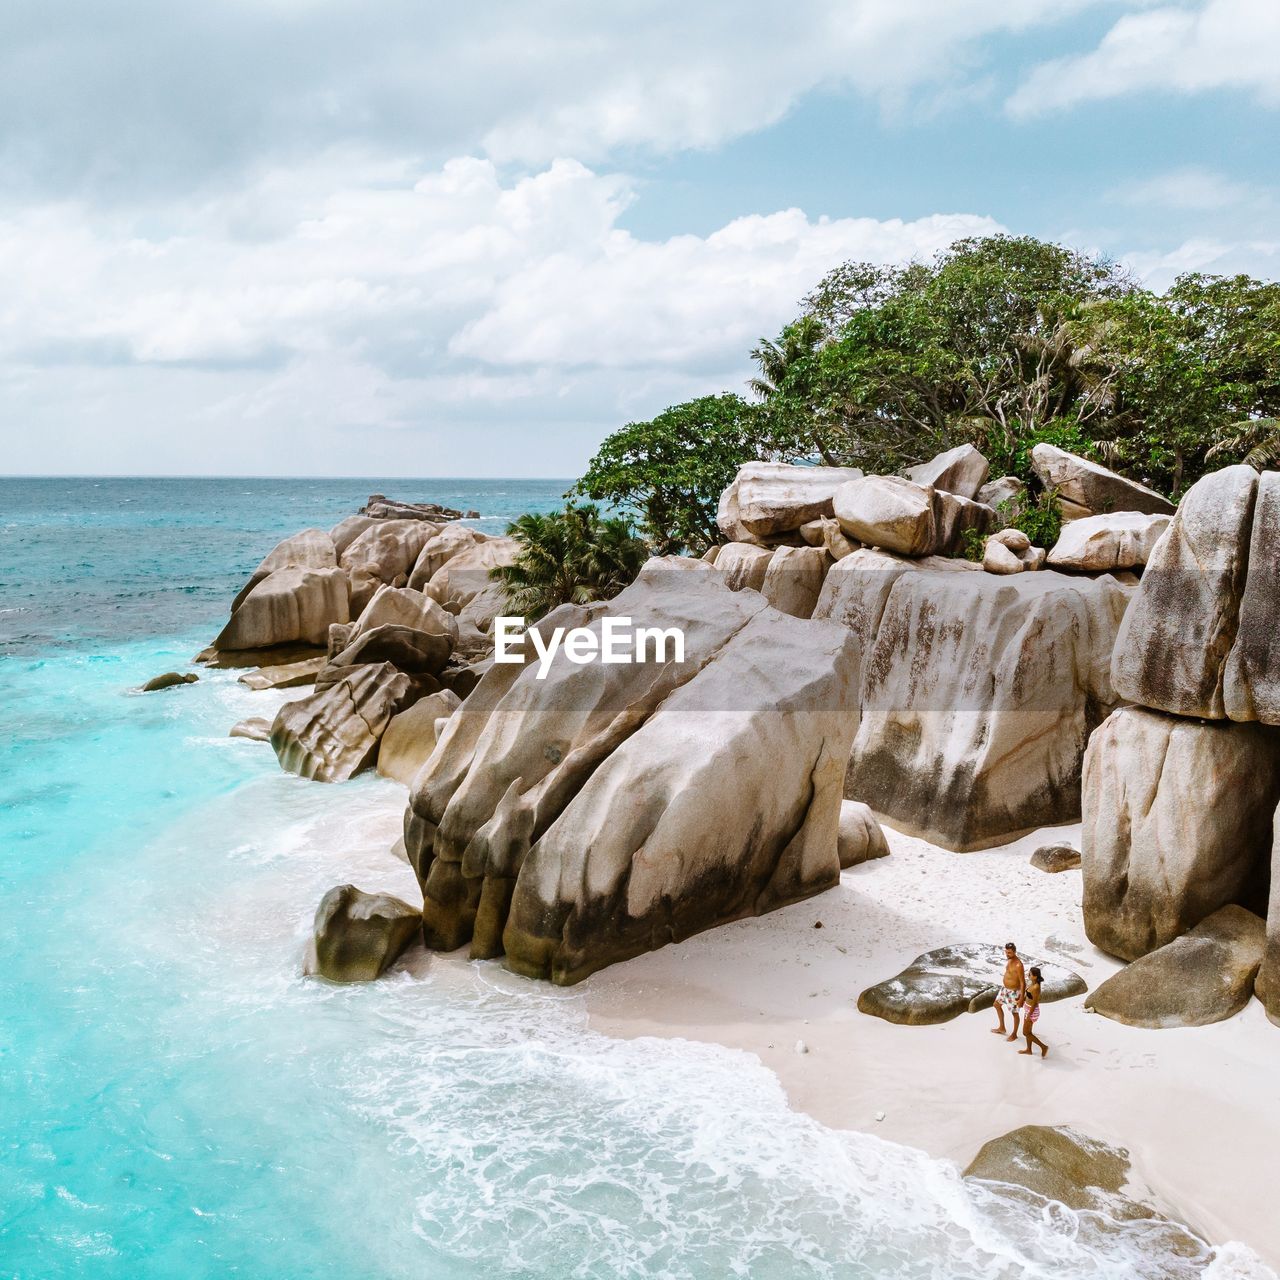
(668, 473)
(569, 556)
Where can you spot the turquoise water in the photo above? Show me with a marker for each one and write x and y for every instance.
(175, 1101)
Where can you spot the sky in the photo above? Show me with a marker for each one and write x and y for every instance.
(372, 237)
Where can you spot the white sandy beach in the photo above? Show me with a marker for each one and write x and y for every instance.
(1198, 1109)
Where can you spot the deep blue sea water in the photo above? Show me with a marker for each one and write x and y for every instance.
(177, 1102)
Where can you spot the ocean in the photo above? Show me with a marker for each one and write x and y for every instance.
(177, 1102)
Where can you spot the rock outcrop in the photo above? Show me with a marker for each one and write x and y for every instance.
(1268, 985)
(770, 498)
(1173, 648)
(1010, 551)
(439, 549)
(1086, 489)
(309, 549)
(962, 470)
(411, 736)
(1206, 975)
(1098, 544)
(290, 605)
(255, 728)
(384, 554)
(607, 810)
(358, 936)
(1177, 823)
(793, 580)
(943, 984)
(744, 565)
(861, 838)
(334, 733)
(1251, 683)
(1007, 496)
(978, 693)
(286, 675)
(380, 507)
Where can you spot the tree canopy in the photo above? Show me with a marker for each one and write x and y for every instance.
(1001, 342)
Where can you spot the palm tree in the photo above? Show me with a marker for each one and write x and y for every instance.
(570, 556)
(1255, 442)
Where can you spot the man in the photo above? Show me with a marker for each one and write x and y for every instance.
(1013, 993)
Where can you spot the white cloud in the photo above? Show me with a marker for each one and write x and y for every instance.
(1158, 268)
(352, 292)
(1216, 44)
(1190, 188)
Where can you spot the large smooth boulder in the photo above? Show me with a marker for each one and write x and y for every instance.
(793, 580)
(358, 936)
(978, 693)
(439, 549)
(888, 512)
(603, 810)
(1007, 496)
(965, 978)
(1056, 858)
(729, 518)
(383, 553)
(468, 573)
(1086, 489)
(345, 532)
(1065, 1166)
(308, 549)
(1205, 976)
(962, 470)
(1098, 544)
(288, 606)
(404, 607)
(169, 680)
(909, 519)
(1251, 684)
(333, 734)
(411, 736)
(1172, 651)
(405, 648)
(773, 497)
(1176, 823)
(288, 675)
(254, 728)
(860, 838)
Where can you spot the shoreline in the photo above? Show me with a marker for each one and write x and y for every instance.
(764, 984)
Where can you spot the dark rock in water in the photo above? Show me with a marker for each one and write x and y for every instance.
(380, 507)
(1059, 1163)
(471, 515)
(334, 733)
(941, 985)
(1056, 857)
(168, 680)
(1205, 976)
(358, 936)
(289, 675)
(255, 728)
(406, 648)
(237, 659)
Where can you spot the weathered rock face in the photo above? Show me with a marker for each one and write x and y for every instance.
(404, 607)
(1173, 648)
(794, 578)
(729, 518)
(744, 565)
(1204, 976)
(1268, 985)
(901, 516)
(439, 549)
(1006, 496)
(358, 936)
(380, 507)
(400, 626)
(1251, 686)
(288, 605)
(943, 984)
(978, 693)
(384, 552)
(411, 736)
(345, 532)
(773, 498)
(1177, 823)
(466, 573)
(608, 809)
(1087, 489)
(310, 549)
(333, 734)
(255, 728)
(1122, 540)
(962, 470)
(861, 838)
(288, 675)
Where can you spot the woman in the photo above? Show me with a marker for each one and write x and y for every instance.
(1031, 1012)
